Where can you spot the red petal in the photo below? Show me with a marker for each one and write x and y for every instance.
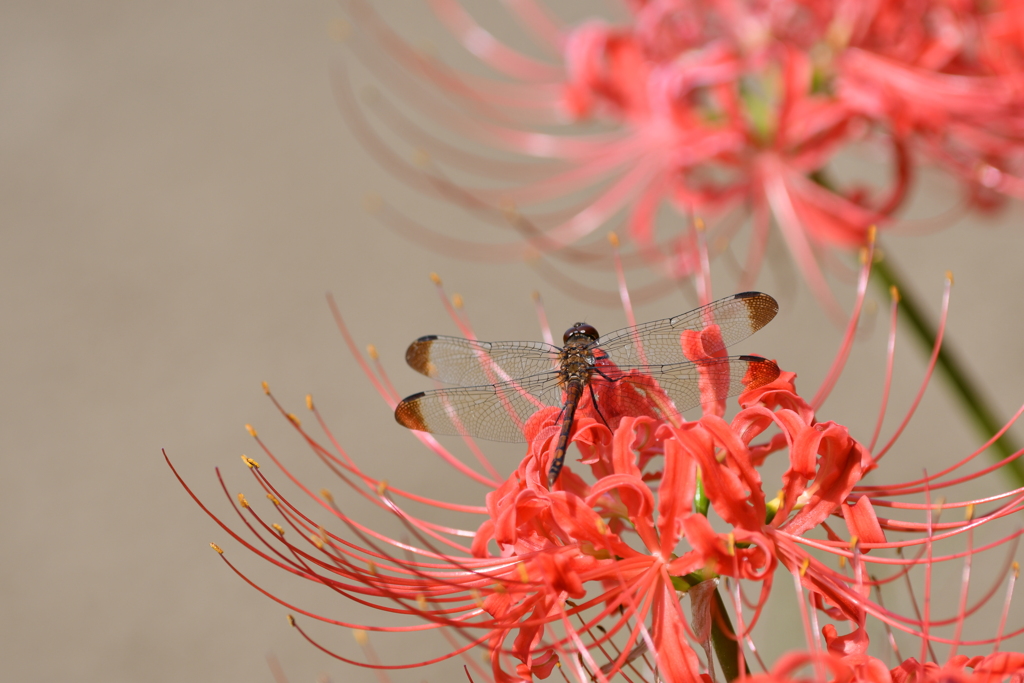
(862, 522)
(677, 662)
(675, 496)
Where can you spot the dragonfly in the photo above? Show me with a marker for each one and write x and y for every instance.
(640, 370)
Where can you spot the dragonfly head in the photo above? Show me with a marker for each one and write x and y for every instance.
(580, 330)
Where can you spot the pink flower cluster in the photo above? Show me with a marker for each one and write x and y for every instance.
(723, 109)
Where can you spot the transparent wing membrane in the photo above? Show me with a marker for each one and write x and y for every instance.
(657, 342)
(637, 371)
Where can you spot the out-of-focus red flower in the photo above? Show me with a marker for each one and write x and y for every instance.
(723, 109)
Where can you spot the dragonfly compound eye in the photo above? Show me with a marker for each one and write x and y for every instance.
(580, 329)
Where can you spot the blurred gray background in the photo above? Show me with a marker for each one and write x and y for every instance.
(177, 192)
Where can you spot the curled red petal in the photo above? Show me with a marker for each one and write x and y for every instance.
(862, 522)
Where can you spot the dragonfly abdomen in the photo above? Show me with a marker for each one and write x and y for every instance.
(577, 366)
(573, 393)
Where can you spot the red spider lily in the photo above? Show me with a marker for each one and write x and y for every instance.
(726, 109)
(588, 575)
(992, 668)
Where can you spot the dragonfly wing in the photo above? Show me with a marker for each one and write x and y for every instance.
(496, 412)
(658, 342)
(689, 385)
(468, 362)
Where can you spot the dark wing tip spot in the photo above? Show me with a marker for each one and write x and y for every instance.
(761, 308)
(418, 355)
(407, 413)
(760, 372)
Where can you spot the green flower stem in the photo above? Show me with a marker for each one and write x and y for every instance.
(971, 397)
(727, 647)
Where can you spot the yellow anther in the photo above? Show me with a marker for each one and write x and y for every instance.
(698, 224)
(949, 276)
(508, 206)
(602, 526)
(842, 561)
(535, 295)
(421, 600)
(382, 486)
(242, 501)
(360, 636)
(524, 576)
(613, 240)
(338, 30)
(266, 388)
(862, 256)
(295, 420)
(872, 233)
(371, 566)
(894, 293)
(309, 401)
(326, 495)
(273, 499)
(804, 566)
(371, 351)
(291, 620)
(730, 543)
(317, 541)
(249, 428)
(457, 301)
(854, 540)
(420, 157)
(436, 279)
(1016, 569)
(969, 512)
(279, 529)
(249, 462)
(477, 598)
(499, 589)
(217, 548)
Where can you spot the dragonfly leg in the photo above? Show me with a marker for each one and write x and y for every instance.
(597, 408)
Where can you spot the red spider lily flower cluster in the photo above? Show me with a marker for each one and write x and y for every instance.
(724, 109)
(591, 575)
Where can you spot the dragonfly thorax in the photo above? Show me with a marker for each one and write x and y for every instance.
(576, 359)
